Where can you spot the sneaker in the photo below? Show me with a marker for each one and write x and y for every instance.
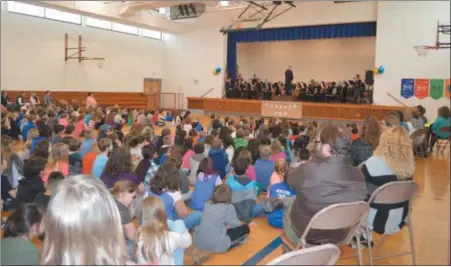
(271, 204)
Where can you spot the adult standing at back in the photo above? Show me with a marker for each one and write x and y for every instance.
(325, 180)
(289, 77)
(47, 98)
(91, 101)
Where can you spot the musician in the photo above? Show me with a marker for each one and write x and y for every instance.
(289, 77)
(229, 87)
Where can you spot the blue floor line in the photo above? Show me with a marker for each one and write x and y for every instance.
(264, 252)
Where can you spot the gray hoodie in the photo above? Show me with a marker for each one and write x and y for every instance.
(194, 162)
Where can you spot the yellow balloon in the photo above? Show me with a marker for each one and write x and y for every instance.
(376, 70)
(215, 73)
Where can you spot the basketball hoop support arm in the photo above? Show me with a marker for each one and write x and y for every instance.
(257, 9)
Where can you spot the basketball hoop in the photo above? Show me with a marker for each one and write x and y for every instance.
(423, 50)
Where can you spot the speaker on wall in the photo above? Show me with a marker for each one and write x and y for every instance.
(369, 77)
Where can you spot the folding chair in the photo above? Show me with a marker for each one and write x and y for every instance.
(337, 217)
(439, 143)
(418, 138)
(392, 193)
(321, 255)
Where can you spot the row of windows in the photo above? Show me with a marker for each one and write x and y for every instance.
(49, 13)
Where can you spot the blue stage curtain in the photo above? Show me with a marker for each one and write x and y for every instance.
(350, 30)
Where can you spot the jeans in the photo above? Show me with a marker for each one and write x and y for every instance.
(130, 248)
(287, 228)
(192, 220)
(178, 227)
(258, 211)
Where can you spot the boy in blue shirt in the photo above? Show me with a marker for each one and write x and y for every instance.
(219, 157)
(264, 167)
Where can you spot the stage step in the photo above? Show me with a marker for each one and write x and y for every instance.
(284, 98)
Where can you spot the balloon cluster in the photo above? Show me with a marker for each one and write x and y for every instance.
(217, 71)
(379, 70)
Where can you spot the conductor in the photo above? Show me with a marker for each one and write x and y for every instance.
(289, 80)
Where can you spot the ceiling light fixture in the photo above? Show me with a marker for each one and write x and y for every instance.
(162, 10)
(224, 3)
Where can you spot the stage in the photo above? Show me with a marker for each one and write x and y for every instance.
(290, 110)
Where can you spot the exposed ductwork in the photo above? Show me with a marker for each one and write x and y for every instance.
(133, 7)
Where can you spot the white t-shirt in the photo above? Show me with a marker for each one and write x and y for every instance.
(175, 240)
(187, 127)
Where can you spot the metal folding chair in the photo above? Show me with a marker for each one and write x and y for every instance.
(392, 193)
(418, 138)
(321, 255)
(439, 143)
(338, 217)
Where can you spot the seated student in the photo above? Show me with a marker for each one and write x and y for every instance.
(31, 124)
(195, 160)
(300, 153)
(199, 127)
(8, 193)
(279, 173)
(136, 145)
(417, 122)
(443, 120)
(31, 184)
(89, 158)
(57, 134)
(208, 142)
(220, 228)
(75, 160)
(362, 148)
(392, 160)
(202, 136)
(87, 144)
(286, 147)
(422, 111)
(125, 193)
(119, 167)
(165, 147)
(42, 126)
(229, 146)
(355, 133)
(239, 140)
(15, 165)
(194, 135)
(189, 152)
(207, 180)
(43, 197)
(277, 151)
(104, 131)
(21, 227)
(219, 157)
(147, 168)
(159, 139)
(166, 185)
(105, 146)
(159, 239)
(279, 190)
(69, 130)
(250, 172)
(64, 119)
(244, 191)
(187, 126)
(58, 161)
(131, 117)
(264, 167)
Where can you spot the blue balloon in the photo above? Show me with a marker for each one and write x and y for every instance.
(218, 69)
(381, 69)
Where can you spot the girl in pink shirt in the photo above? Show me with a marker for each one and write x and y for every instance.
(188, 154)
(80, 125)
(63, 120)
(58, 161)
(250, 172)
(277, 151)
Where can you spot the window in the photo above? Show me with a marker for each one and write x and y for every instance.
(125, 28)
(98, 23)
(27, 9)
(62, 16)
(151, 34)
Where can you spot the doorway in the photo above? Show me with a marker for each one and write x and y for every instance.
(152, 89)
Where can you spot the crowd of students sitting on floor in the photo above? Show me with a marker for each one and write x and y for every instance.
(79, 188)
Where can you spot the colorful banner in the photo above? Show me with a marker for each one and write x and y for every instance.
(421, 88)
(292, 110)
(436, 87)
(447, 88)
(407, 88)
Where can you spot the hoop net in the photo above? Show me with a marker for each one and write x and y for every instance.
(423, 50)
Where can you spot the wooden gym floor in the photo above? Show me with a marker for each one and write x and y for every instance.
(430, 219)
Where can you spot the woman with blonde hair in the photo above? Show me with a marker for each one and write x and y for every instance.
(58, 161)
(83, 226)
(277, 151)
(392, 161)
(159, 240)
(362, 148)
